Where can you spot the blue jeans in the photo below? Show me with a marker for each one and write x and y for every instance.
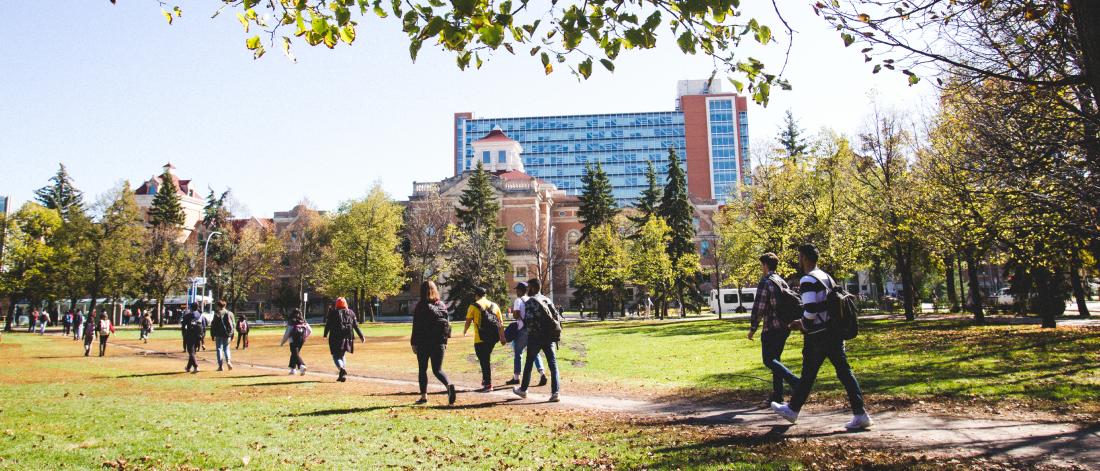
(533, 350)
(817, 349)
(221, 344)
(518, 345)
(771, 346)
(338, 360)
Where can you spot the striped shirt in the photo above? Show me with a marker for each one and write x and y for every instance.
(814, 295)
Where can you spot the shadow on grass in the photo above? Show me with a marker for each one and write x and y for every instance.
(275, 383)
(146, 375)
(353, 410)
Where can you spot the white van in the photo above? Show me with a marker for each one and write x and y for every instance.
(730, 300)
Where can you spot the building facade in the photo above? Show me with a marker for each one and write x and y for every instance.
(191, 204)
(708, 130)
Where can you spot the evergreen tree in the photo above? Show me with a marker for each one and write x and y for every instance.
(790, 136)
(478, 203)
(677, 211)
(61, 194)
(166, 209)
(650, 200)
(597, 206)
(215, 216)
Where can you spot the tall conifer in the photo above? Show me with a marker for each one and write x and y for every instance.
(597, 205)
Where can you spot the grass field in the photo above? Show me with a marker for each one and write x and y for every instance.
(943, 359)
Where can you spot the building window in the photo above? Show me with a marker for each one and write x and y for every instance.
(518, 228)
(520, 272)
(485, 157)
(705, 246)
(502, 156)
(571, 238)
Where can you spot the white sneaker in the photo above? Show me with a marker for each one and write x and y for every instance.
(292, 370)
(519, 392)
(302, 372)
(554, 398)
(859, 422)
(785, 412)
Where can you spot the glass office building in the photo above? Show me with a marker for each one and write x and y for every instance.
(708, 132)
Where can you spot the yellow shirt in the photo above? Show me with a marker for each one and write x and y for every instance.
(472, 313)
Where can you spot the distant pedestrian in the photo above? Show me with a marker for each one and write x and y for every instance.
(488, 324)
(221, 330)
(242, 330)
(146, 323)
(543, 322)
(43, 321)
(32, 321)
(78, 323)
(67, 323)
(104, 329)
(126, 316)
(191, 328)
(297, 331)
(89, 332)
(431, 330)
(821, 342)
(341, 327)
(765, 309)
(520, 342)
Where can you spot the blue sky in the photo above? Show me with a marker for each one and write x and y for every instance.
(114, 92)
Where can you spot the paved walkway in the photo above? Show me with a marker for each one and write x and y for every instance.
(1030, 441)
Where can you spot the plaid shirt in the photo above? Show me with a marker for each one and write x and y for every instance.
(764, 307)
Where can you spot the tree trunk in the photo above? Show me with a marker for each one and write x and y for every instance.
(903, 262)
(1078, 285)
(1086, 21)
(160, 312)
(962, 284)
(952, 297)
(975, 292)
(11, 313)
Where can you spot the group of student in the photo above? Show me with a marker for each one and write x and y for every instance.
(816, 308)
(223, 327)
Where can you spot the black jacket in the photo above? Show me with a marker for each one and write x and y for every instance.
(428, 320)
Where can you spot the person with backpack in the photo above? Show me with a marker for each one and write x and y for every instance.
(341, 328)
(297, 331)
(543, 322)
(520, 342)
(43, 321)
(242, 330)
(66, 323)
(146, 323)
(104, 328)
(828, 320)
(192, 328)
(89, 332)
(221, 330)
(33, 321)
(776, 305)
(488, 324)
(431, 329)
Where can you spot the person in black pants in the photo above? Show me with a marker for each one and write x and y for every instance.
(192, 329)
(479, 314)
(297, 331)
(774, 338)
(430, 330)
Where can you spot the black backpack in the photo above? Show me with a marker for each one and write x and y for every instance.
(347, 323)
(489, 328)
(298, 333)
(788, 303)
(442, 321)
(191, 325)
(543, 320)
(843, 311)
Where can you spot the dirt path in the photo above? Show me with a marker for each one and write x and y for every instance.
(1059, 443)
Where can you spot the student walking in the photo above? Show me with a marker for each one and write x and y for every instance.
(297, 331)
(32, 321)
(146, 323)
(774, 337)
(192, 328)
(520, 343)
(89, 332)
(78, 323)
(105, 329)
(430, 331)
(341, 327)
(488, 331)
(242, 329)
(544, 324)
(67, 323)
(821, 342)
(221, 329)
(43, 321)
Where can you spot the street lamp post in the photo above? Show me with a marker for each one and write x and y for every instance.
(205, 250)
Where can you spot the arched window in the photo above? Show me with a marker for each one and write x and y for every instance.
(571, 239)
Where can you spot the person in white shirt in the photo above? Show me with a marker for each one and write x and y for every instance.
(520, 343)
